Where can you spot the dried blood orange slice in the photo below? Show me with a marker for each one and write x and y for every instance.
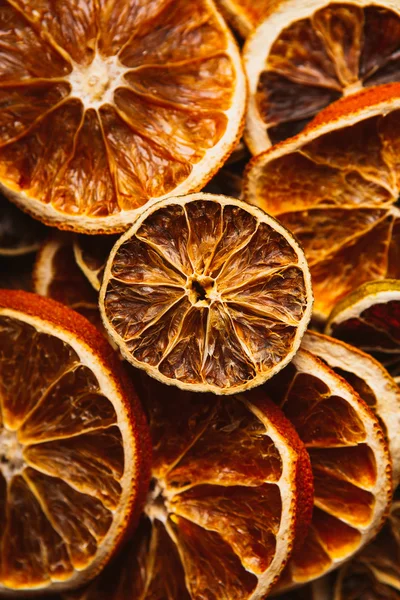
(73, 447)
(335, 186)
(372, 382)
(111, 104)
(91, 254)
(245, 15)
(207, 293)
(19, 234)
(350, 461)
(369, 318)
(231, 490)
(308, 53)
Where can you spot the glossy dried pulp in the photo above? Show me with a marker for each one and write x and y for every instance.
(206, 293)
(224, 504)
(109, 104)
(337, 49)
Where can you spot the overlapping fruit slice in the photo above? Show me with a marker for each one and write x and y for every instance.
(91, 254)
(107, 105)
(369, 318)
(73, 447)
(245, 15)
(19, 234)
(232, 489)
(207, 293)
(372, 382)
(56, 275)
(350, 462)
(307, 54)
(335, 186)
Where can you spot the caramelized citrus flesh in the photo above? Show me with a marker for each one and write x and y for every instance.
(338, 195)
(245, 14)
(61, 459)
(333, 429)
(214, 512)
(106, 105)
(338, 49)
(206, 293)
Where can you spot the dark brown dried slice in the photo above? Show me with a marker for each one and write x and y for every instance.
(207, 293)
(91, 255)
(19, 234)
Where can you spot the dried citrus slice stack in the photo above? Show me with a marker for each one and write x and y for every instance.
(350, 461)
(369, 318)
(335, 186)
(232, 489)
(207, 293)
(372, 382)
(308, 53)
(91, 254)
(111, 104)
(73, 447)
(19, 234)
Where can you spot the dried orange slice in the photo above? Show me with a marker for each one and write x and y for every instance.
(335, 186)
(207, 293)
(91, 254)
(350, 461)
(19, 234)
(231, 490)
(372, 382)
(308, 53)
(111, 104)
(245, 15)
(73, 447)
(369, 318)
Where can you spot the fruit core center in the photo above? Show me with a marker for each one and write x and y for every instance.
(201, 290)
(96, 83)
(11, 454)
(156, 505)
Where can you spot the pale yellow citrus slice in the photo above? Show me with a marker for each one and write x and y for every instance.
(369, 318)
(110, 104)
(91, 254)
(207, 293)
(372, 382)
(231, 491)
(74, 448)
(308, 53)
(19, 234)
(335, 186)
(350, 461)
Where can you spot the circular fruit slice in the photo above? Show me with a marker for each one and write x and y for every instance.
(372, 382)
(335, 186)
(73, 447)
(369, 319)
(91, 255)
(111, 104)
(244, 15)
(307, 54)
(207, 293)
(231, 490)
(350, 462)
(19, 234)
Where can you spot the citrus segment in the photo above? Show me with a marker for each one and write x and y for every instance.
(305, 55)
(231, 492)
(73, 447)
(369, 319)
(19, 234)
(244, 15)
(206, 293)
(350, 462)
(339, 200)
(124, 103)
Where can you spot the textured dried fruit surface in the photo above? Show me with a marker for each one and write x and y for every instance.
(110, 104)
(19, 234)
(306, 55)
(244, 15)
(231, 485)
(335, 186)
(72, 466)
(207, 293)
(369, 318)
(350, 462)
(91, 255)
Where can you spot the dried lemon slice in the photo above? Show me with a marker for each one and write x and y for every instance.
(207, 293)
(308, 53)
(74, 448)
(335, 186)
(232, 489)
(369, 318)
(350, 461)
(108, 105)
